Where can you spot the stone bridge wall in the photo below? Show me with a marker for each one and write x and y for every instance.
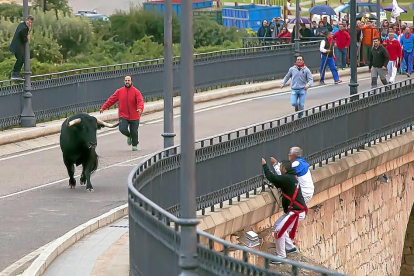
(356, 224)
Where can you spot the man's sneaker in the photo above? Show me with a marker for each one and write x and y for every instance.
(293, 250)
(134, 148)
(275, 262)
(338, 81)
(322, 83)
(129, 141)
(408, 75)
(16, 76)
(296, 108)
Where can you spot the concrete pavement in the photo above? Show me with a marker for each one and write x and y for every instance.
(203, 106)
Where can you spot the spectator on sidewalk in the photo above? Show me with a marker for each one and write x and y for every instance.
(302, 79)
(313, 29)
(395, 53)
(378, 63)
(264, 31)
(301, 167)
(326, 24)
(321, 31)
(342, 40)
(17, 46)
(327, 49)
(294, 207)
(407, 44)
(284, 35)
(276, 26)
(368, 34)
(305, 32)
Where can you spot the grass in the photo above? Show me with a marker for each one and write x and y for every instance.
(407, 17)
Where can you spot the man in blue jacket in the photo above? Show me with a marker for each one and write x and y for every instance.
(407, 44)
(302, 79)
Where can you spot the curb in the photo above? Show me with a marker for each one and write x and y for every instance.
(152, 107)
(55, 248)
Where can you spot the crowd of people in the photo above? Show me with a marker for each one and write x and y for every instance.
(389, 34)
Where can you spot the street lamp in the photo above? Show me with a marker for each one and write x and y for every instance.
(168, 78)
(27, 118)
(188, 235)
(297, 16)
(353, 85)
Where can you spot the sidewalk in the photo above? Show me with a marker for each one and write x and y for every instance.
(104, 252)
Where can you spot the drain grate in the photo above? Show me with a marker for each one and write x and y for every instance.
(119, 226)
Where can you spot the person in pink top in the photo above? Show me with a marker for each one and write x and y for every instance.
(342, 40)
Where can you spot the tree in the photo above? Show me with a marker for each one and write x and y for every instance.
(57, 5)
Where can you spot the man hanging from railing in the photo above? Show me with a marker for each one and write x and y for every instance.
(303, 173)
(294, 207)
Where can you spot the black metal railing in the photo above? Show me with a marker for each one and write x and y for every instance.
(272, 41)
(61, 94)
(328, 131)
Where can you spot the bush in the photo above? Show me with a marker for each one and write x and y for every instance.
(128, 27)
(13, 12)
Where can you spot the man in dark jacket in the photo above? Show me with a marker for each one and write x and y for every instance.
(294, 206)
(378, 61)
(264, 33)
(17, 46)
(130, 108)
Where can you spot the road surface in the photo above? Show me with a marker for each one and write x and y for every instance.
(37, 207)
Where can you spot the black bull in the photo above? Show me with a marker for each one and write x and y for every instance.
(78, 142)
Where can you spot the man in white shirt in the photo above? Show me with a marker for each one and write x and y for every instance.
(302, 172)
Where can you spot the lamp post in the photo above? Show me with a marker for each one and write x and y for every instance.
(27, 118)
(378, 14)
(168, 78)
(353, 85)
(188, 236)
(297, 50)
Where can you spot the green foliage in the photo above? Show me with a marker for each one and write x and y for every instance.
(13, 12)
(135, 24)
(208, 32)
(54, 5)
(74, 34)
(60, 41)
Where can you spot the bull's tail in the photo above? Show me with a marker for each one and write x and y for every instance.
(95, 164)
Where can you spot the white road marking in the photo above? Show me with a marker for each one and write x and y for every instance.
(123, 163)
(76, 176)
(176, 116)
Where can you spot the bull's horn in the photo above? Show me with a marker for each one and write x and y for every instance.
(102, 123)
(74, 122)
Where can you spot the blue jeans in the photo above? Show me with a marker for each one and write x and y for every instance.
(331, 63)
(408, 58)
(298, 95)
(341, 57)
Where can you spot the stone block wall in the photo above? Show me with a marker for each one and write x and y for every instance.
(362, 230)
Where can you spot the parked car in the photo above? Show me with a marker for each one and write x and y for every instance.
(92, 15)
(361, 7)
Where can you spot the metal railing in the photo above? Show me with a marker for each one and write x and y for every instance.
(328, 131)
(61, 94)
(248, 42)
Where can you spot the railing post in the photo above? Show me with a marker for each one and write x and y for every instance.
(27, 117)
(353, 85)
(188, 258)
(297, 50)
(168, 78)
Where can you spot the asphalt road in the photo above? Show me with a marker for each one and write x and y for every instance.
(37, 207)
(106, 7)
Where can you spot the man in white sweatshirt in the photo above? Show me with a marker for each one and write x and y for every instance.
(302, 172)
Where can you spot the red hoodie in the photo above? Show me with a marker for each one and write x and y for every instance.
(130, 99)
(394, 49)
(342, 38)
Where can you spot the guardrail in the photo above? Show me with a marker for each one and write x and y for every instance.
(326, 132)
(61, 94)
(270, 41)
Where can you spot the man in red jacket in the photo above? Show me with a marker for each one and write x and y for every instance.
(342, 40)
(394, 49)
(130, 108)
